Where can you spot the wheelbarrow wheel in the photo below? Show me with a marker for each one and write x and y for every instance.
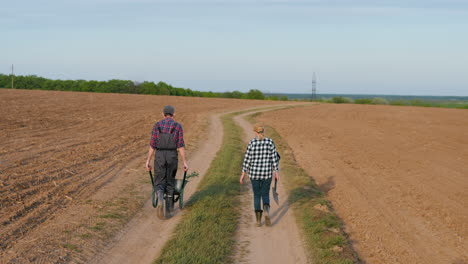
(154, 198)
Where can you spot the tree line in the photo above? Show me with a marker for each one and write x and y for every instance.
(33, 82)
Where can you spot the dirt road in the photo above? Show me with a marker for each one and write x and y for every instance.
(280, 243)
(397, 176)
(143, 238)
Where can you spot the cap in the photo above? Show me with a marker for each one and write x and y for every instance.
(169, 109)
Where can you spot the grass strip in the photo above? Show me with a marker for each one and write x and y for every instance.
(206, 232)
(322, 230)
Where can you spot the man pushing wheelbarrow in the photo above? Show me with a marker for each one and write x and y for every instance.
(167, 139)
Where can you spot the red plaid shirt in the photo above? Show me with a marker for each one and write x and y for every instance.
(166, 126)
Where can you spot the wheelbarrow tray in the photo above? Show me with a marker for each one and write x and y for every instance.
(179, 185)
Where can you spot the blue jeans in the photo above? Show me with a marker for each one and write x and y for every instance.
(261, 190)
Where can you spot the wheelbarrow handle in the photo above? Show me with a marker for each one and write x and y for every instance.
(183, 181)
(151, 176)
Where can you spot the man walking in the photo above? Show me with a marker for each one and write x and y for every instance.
(166, 139)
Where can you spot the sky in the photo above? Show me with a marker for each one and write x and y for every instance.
(408, 47)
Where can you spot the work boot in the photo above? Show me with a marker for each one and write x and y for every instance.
(160, 211)
(266, 208)
(160, 207)
(258, 216)
(169, 206)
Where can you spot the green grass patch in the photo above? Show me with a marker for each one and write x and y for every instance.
(363, 101)
(86, 236)
(98, 227)
(322, 230)
(112, 215)
(206, 232)
(71, 247)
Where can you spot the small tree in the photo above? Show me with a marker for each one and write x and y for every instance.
(236, 94)
(255, 94)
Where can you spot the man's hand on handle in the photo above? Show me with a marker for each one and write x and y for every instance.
(150, 156)
(148, 166)
(182, 155)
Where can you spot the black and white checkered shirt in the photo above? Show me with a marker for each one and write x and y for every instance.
(260, 159)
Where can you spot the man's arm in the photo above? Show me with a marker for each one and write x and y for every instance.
(182, 154)
(181, 145)
(152, 148)
(150, 155)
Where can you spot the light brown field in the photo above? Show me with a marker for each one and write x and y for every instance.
(397, 176)
(58, 149)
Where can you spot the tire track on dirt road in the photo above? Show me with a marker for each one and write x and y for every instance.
(280, 243)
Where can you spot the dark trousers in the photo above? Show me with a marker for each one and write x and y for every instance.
(165, 169)
(261, 191)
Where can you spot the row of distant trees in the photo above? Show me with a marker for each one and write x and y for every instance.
(34, 82)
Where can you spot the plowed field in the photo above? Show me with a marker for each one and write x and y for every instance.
(397, 176)
(59, 148)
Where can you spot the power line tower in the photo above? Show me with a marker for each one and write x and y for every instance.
(314, 88)
(12, 76)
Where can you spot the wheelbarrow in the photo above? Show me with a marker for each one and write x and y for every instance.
(178, 196)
